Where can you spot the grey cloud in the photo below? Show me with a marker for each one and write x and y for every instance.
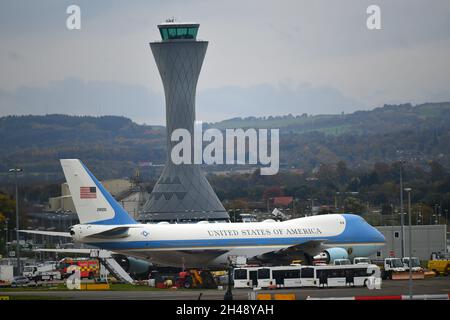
(77, 97)
(251, 42)
(264, 100)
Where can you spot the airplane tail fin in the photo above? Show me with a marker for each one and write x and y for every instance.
(94, 204)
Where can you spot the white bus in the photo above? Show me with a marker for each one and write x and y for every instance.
(285, 277)
(305, 276)
(345, 276)
(245, 277)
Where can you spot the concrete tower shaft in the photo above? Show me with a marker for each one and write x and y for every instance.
(179, 64)
(182, 192)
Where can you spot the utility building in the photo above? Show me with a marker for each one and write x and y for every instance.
(182, 193)
(426, 239)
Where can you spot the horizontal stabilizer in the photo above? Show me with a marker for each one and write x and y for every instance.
(114, 233)
(48, 233)
(80, 251)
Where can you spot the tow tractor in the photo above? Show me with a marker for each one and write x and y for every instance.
(440, 263)
(415, 264)
(417, 270)
(393, 269)
(196, 279)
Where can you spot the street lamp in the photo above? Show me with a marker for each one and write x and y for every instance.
(312, 205)
(16, 171)
(410, 242)
(6, 236)
(402, 217)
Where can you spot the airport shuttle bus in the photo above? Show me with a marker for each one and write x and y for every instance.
(245, 277)
(305, 276)
(343, 276)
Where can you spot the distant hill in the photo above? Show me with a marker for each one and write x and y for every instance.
(110, 144)
(416, 134)
(389, 118)
(113, 146)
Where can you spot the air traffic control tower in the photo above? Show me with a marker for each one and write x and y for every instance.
(182, 192)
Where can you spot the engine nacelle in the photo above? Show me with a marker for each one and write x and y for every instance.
(332, 254)
(133, 265)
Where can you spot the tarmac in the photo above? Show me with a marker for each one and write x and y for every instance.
(432, 286)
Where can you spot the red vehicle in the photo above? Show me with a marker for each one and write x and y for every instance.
(89, 268)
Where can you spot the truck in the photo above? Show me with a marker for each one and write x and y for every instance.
(393, 269)
(417, 270)
(89, 268)
(46, 272)
(415, 264)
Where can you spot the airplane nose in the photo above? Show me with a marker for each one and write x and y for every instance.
(377, 235)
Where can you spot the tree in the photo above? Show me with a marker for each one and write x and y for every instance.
(7, 207)
(353, 205)
(437, 171)
(342, 172)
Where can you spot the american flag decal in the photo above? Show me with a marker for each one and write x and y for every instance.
(88, 193)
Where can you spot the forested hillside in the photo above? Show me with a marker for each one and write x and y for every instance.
(114, 146)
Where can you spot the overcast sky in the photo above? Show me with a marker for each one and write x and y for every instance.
(264, 57)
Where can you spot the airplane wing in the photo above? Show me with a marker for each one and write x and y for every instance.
(310, 248)
(78, 251)
(48, 233)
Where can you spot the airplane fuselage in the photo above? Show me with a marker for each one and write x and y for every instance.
(210, 244)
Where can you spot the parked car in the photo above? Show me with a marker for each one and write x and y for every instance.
(20, 281)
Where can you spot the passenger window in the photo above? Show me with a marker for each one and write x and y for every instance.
(263, 273)
(307, 273)
(240, 274)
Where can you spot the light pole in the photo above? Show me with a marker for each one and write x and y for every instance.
(402, 218)
(446, 225)
(16, 171)
(6, 236)
(312, 205)
(410, 242)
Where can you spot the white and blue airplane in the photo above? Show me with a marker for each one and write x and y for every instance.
(104, 224)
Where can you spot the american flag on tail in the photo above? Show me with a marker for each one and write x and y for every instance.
(88, 193)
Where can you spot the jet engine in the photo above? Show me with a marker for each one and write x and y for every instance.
(332, 254)
(134, 266)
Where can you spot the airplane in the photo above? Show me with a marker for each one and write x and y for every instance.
(104, 224)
